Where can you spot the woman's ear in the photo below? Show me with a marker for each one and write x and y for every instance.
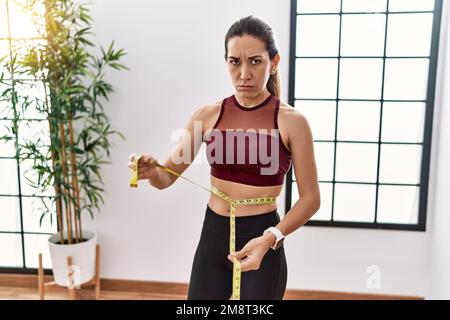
(276, 61)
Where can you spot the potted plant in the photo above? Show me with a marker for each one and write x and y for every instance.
(67, 155)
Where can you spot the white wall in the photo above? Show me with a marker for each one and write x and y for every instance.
(440, 224)
(175, 53)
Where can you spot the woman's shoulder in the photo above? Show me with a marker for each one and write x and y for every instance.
(293, 121)
(213, 107)
(208, 111)
(290, 114)
(208, 114)
(205, 111)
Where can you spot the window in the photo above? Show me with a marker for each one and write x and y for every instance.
(21, 235)
(363, 73)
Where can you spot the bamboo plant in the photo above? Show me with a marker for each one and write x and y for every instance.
(66, 156)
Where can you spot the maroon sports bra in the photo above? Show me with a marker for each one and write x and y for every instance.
(245, 146)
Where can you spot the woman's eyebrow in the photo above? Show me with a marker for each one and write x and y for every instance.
(252, 57)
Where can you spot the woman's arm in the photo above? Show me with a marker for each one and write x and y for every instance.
(177, 160)
(302, 149)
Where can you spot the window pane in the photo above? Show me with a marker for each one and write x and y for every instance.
(324, 212)
(398, 204)
(310, 6)
(316, 78)
(293, 172)
(354, 202)
(27, 172)
(32, 209)
(9, 214)
(294, 194)
(400, 163)
(6, 109)
(11, 246)
(20, 48)
(406, 79)
(321, 116)
(310, 28)
(22, 20)
(396, 130)
(36, 133)
(5, 55)
(35, 244)
(31, 99)
(3, 20)
(360, 78)
(324, 152)
(358, 120)
(356, 162)
(8, 174)
(363, 34)
(409, 34)
(363, 5)
(411, 5)
(7, 148)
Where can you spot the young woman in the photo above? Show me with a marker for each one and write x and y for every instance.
(255, 108)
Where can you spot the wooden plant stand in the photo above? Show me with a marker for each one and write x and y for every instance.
(71, 289)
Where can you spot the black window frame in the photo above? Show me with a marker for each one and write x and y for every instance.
(428, 125)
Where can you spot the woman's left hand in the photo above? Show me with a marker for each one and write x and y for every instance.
(253, 252)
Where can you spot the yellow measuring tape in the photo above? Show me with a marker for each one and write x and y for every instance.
(236, 263)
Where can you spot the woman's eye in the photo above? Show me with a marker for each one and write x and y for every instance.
(254, 61)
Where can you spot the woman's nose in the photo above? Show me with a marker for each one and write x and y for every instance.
(245, 72)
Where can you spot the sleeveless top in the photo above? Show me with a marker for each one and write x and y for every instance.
(245, 146)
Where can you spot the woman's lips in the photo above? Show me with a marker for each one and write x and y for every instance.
(245, 87)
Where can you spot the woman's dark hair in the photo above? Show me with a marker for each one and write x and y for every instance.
(257, 27)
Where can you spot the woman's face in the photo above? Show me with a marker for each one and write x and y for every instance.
(249, 65)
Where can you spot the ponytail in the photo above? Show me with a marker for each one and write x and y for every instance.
(274, 85)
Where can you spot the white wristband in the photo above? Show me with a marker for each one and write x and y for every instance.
(278, 235)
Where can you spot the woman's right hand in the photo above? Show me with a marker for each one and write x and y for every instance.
(147, 168)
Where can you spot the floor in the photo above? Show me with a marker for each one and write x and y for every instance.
(25, 287)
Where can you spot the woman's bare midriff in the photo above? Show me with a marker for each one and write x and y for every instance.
(241, 191)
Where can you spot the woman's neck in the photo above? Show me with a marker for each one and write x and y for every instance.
(249, 102)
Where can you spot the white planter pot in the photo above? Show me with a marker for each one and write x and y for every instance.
(83, 259)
